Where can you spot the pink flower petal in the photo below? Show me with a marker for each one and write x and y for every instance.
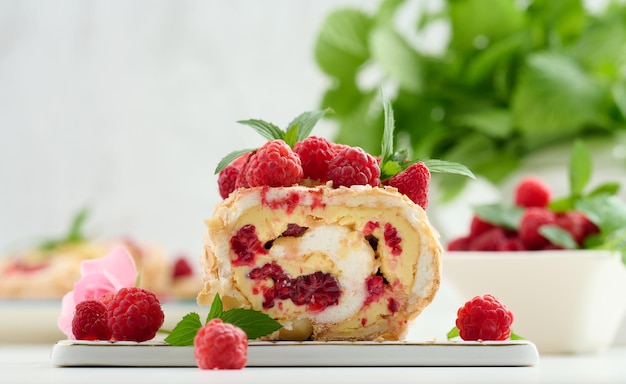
(107, 274)
(92, 287)
(67, 314)
(119, 264)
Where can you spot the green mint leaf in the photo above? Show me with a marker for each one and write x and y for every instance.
(498, 214)
(515, 336)
(616, 241)
(580, 168)
(265, 129)
(306, 122)
(609, 188)
(562, 204)
(386, 150)
(558, 236)
(185, 331)
(396, 57)
(454, 332)
(75, 233)
(570, 98)
(230, 158)
(442, 166)
(388, 169)
(254, 323)
(607, 212)
(216, 309)
(291, 135)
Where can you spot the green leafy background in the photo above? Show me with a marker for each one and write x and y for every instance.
(510, 80)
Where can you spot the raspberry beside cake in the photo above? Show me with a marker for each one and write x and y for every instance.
(353, 263)
(328, 240)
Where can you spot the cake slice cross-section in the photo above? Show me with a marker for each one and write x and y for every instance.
(348, 263)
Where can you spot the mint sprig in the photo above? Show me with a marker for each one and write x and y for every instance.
(298, 129)
(74, 234)
(393, 162)
(254, 323)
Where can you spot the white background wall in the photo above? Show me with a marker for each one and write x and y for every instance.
(127, 106)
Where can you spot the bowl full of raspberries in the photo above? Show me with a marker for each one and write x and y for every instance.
(558, 262)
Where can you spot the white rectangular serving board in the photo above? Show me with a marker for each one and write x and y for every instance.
(74, 353)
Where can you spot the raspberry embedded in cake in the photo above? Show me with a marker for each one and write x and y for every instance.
(352, 263)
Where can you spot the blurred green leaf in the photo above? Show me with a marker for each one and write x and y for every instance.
(386, 11)
(609, 188)
(396, 57)
(493, 122)
(483, 65)
(342, 44)
(363, 124)
(558, 236)
(73, 235)
(513, 77)
(607, 212)
(500, 214)
(580, 168)
(554, 99)
(487, 20)
(601, 48)
(563, 20)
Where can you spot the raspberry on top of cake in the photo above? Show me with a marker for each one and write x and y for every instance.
(327, 239)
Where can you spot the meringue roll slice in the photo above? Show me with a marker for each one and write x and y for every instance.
(354, 263)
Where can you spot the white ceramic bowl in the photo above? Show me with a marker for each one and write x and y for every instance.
(563, 301)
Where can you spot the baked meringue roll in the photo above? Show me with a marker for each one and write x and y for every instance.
(354, 263)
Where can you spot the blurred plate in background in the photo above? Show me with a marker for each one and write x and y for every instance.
(35, 321)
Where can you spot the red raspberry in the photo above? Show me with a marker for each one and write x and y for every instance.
(274, 165)
(220, 345)
(375, 286)
(315, 154)
(532, 219)
(135, 314)
(317, 290)
(338, 147)
(353, 166)
(532, 192)
(490, 240)
(484, 318)
(90, 321)
(227, 179)
(459, 244)
(551, 246)
(182, 268)
(577, 224)
(478, 226)
(512, 244)
(242, 181)
(106, 298)
(413, 182)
